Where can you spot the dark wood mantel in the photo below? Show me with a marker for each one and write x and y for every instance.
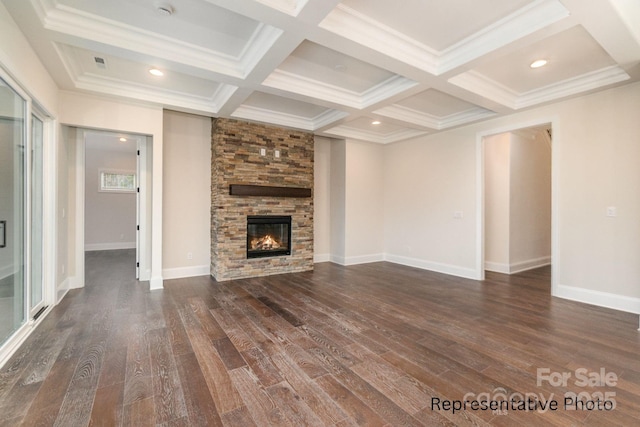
(267, 191)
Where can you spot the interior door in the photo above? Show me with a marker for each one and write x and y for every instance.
(138, 209)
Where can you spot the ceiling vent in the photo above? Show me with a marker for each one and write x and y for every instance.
(100, 62)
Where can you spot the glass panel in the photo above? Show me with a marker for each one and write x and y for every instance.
(12, 205)
(36, 211)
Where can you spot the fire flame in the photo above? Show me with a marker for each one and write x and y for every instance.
(264, 243)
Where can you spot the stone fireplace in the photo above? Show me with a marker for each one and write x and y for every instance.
(261, 179)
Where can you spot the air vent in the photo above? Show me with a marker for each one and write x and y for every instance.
(100, 62)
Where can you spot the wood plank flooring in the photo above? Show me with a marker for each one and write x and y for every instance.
(376, 345)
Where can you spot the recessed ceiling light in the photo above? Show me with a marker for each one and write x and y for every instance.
(340, 67)
(538, 63)
(123, 139)
(156, 72)
(376, 122)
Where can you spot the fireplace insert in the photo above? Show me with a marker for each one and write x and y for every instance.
(268, 236)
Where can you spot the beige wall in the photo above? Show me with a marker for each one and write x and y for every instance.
(187, 195)
(96, 112)
(496, 200)
(321, 200)
(595, 165)
(337, 227)
(428, 180)
(517, 200)
(530, 200)
(364, 220)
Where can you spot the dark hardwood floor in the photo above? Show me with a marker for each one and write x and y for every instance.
(376, 344)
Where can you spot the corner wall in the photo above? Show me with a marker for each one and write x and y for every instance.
(187, 195)
(595, 166)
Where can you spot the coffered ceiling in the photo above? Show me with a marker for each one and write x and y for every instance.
(335, 67)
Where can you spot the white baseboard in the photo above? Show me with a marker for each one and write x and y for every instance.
(517, 267)
(497, 267)
(156, 283)
(337, 259)
(601, 299)
(355, 260)
(454, 270)
(181, 272)
(109, 246)
(363, 259)
(321, 258)
(75, 282)
(62, 290)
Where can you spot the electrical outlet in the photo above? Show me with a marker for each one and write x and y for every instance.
(189, 255)
(122, 237)
(612, 211)
(276, 153)
(263, 151)
(458, 214)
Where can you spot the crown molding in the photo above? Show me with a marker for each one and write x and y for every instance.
(525, 21)
(100, 84)
(579, 84)
(484, 86)
(366, 31)
(106, 85)
(73, 22)
(410, 115)
(258, 114)
(290, 7)
(480, 84)
(259, 43)
(345, 131)
(296, 83)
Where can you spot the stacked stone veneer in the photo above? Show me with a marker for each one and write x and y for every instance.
(236, 159)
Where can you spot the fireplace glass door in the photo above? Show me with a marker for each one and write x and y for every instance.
(268, 236)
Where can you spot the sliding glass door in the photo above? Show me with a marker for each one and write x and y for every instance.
(12, 211)
(36, 279)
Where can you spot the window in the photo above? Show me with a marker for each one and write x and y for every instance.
(117, 181)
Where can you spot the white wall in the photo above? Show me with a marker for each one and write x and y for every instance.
(95, 112)
(364, 188)
(496, 201)
(517, 200)
(530, 200)
(110, 218)
(348, 219)
(187, 195)
(321, 199)
(19, 60)
(337, 201)
(428, 180)
(595, 165)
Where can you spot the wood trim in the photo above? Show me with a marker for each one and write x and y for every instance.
(267, 191)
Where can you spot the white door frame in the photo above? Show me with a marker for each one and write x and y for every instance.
(480, 193)
(143, 248)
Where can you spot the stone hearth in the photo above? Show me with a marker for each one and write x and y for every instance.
(237, 159)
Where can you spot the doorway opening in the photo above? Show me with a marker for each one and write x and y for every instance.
(517, 168)
(110, 194)
(113, 194)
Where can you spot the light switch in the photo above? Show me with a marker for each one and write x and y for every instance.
(612, 211)
(276, 153)
(458, 214)
(263, 151)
